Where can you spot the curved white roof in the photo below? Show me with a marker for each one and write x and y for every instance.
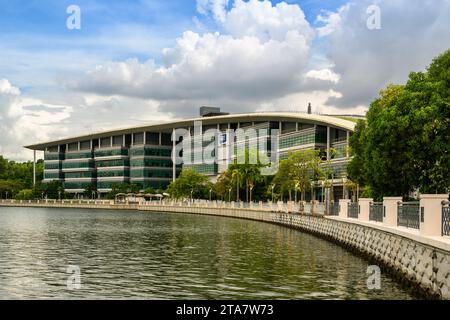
(332, 121)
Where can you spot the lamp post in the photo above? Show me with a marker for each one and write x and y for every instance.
(59, 195)
(6, 192)
(297, 184)
(229, 194)
(192, 192)
(210, 192)
(251, 189)
(273, 187)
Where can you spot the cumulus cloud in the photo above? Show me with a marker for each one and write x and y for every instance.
(216, 7)
(412, 33)
(262, 55)
(24, 120)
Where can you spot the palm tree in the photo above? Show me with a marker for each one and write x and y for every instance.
(235, 178)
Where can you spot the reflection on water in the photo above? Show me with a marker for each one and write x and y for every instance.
(172, 256)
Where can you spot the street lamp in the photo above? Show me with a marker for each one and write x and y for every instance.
(229, 194)
(210, 191)
(192, 192)
(59, 195)
(251, 189)
(273, 187)
(6, 192)
(297, 184)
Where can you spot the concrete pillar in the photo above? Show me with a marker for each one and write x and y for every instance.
(313, 207)
(343, 208)
(34, 168)
(364, 208)
(174, 170)
(431, 214)
(390, 207)
(290, 206)
(328, 143)
(347, 153)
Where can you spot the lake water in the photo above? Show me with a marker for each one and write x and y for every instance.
(143, 255)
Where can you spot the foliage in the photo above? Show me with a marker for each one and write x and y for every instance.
(53, 190)
(16, 176)
(25, 194)
(122, 188)
(90, 191)
(404, 145)
(190, 183)
(298, 171)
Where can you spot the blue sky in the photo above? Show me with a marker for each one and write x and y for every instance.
(146, 61)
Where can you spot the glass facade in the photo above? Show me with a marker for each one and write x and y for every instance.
(78, 175)
(303, 137)
(77, 185)
(79, 155)
(151, 151)
(78, 164)
(206, 169)
(110, 153)
(53, 156)
(53, 175)
(112, 163)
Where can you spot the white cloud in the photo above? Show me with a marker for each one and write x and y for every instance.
(323, 74)
(412, 33)
(263, 55)
(331, 20)
(216, 7)
(24, 120)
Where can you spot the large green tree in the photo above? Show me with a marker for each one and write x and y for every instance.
(404, 144)
(188, 183)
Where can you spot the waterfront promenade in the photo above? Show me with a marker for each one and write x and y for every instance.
(409, 239)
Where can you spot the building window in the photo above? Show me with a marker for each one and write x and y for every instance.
(138, 138)
(117, 141)
(85, 145)
(105, 142)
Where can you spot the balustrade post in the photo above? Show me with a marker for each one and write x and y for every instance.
(343, 207)
(431, 214)
(390, 211)
(364, 208)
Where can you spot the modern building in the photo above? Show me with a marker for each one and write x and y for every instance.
(143, 155)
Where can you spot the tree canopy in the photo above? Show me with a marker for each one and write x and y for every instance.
(190, 183)
(404, 145)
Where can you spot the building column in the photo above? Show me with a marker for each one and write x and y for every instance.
(431, 214)
(390, 210)
(174, 169)
(364, 208)
(328, 143)
(347, 153)
(34, 168)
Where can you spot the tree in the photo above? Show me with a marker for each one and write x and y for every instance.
(190, 183)
(117, 188)
(25, 194)
(53, 190)
(404, 144)
(283, 179)
(305, 168)
(90, 190)
(223, 185)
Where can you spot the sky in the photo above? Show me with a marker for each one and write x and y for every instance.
(139, 62)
